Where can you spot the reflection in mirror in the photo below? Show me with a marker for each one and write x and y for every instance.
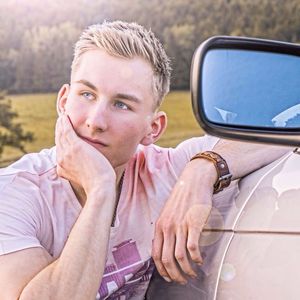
(251, 88)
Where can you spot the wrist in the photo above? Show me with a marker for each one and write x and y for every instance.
(99, 201)
(221, 168)
(103, 184)
(197, 180)
(205, 169)
(102, 190)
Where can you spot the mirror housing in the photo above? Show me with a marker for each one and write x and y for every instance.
(248, 89)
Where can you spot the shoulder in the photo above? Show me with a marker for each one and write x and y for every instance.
(30, 167)
(196, 144)
(24, 216)
(155, 158)
(190, 147)
(152, 156)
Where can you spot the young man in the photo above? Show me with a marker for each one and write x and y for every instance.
(77, 221)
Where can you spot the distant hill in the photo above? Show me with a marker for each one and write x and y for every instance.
(36, 36)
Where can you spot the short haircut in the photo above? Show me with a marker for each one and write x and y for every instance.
(128, 40)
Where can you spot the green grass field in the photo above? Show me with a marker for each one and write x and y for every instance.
(37, 113)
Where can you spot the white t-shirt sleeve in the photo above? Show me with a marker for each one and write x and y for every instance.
(182, 154)
(19, 215)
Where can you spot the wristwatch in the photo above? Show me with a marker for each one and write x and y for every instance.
(224, 176)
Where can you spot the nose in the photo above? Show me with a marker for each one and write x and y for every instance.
(98, 116)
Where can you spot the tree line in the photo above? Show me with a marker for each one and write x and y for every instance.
(37, 36)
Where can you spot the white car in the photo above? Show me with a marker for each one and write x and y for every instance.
(249, 89)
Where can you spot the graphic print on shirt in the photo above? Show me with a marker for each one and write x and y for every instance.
(127, 271)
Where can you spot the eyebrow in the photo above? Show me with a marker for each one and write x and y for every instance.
(88, 84)
(128, 97)
(119, 95)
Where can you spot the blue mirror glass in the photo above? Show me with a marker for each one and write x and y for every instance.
(251, 88)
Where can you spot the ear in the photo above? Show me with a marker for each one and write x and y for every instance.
(157, 128)
(62, 97)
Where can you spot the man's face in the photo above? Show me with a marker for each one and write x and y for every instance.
(110, 103)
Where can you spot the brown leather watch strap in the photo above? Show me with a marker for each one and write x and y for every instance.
(224, 176)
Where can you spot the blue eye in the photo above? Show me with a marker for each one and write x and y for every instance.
(88, 96)
(121, 105)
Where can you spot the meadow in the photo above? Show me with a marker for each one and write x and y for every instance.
(37, 113)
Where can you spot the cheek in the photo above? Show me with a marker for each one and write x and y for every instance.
(133, 133)
(76, 113)
(127, 143)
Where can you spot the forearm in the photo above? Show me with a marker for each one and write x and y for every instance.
(200, 175)
(244, 158)
(178, 228)
(77, 273)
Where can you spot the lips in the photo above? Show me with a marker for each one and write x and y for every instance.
(93, 142)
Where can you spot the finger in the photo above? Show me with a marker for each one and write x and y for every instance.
(62, 146)
(58, 129)
(193, 244)
(168, 259)
(157, 244)
(60, 171)
(58, 139)
(68, 130)
(181, 252)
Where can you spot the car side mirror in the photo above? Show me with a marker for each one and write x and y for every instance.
(248, 89)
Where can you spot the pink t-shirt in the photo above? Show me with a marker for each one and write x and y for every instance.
(38, 209)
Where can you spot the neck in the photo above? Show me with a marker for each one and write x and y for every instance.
(119, 172)
(80, 193)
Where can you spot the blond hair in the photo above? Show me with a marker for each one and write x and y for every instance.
(128, 40)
